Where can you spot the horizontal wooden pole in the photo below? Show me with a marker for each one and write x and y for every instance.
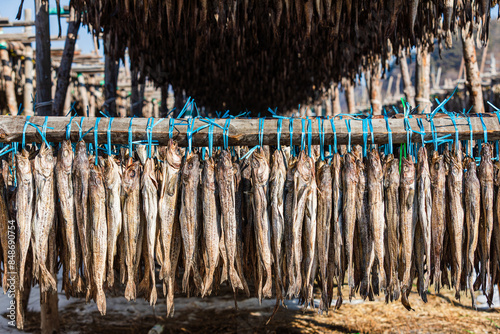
(243, 132)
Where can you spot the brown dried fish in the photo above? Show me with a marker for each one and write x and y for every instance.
(188, 219)
(99, 235)
(44, 216)
(288, 221)
(25, 205)
(407, 225)
(350, 184)
(365, 231)
(324, 218)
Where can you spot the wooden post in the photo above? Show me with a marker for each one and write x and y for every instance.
(28, 70)
(461, 70)
(137, 94)
(336, 99)
(328, 102)
(376, 89)
(122, 103)
(82, 88)
(423, 79)
(92, 100)
(156, 109)
(43, 71)
(68, 100)
(408, 86)
(472, 72)
(349, 96)
(10, 90)
(483, 59)
(178, 102)
(111, 67)
(163, 102)
(63, 73)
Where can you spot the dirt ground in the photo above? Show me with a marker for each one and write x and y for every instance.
(442, 314)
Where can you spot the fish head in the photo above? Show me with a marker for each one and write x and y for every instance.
(323, 174)
(208, 176)
(375, 163)
(150, 171)
(131, 176)
(191, 166)
(81, 148)
(66, 155)
(95, 176)
(407, 171)
(260, 168)
(111, 170)
(44, 161)
(172, 155)
(486, 151)
(142, 153)
(23, 164)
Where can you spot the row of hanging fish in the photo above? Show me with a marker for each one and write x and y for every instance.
(268, 223)
(189, 43)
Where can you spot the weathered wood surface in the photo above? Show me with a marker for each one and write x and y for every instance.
(43, 68)
(242, 131)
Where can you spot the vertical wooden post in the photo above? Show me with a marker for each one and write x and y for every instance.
(423, 79)
(111, 67)
(28, 70)
(178, 102)
(137, 97)
(376, 89)
(10, 90)
(43, 71)
(472, 72)
(336, 99)
(68, 99)
(92, 100)
(156, 109)
(388, 92)
(408, 86)
(163, 102)
(82, 88)
(328, 102)
(122, 103)
(63, 73)
(349, 96)
(483, 59)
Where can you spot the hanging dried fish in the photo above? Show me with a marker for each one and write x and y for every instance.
(350, 183)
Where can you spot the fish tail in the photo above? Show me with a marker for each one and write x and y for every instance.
(79, 284)
(170, 298)
(101, 301)
(323, 305)
(339, 301)
(235, 279)
(111, 276)
(48, 282)
(207, 285)
(153, 296)
(185, 278)
(404, 299)
(130, 290)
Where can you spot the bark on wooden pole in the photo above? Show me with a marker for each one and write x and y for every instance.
(376, 90)
(472, 72)
(111, 67)
(408, 86)
(336, 99)
(163, 102)
(122, 103)
(92, 99)
(423, 78)
(28, 71)
(82, 88)
(137, 94)
(244, 132)
(64, 71)
(43, 70)
(10, 90)
(349, 96)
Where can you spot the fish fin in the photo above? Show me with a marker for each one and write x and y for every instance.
(153, 296)
(47, 281)
(235, 279)
(130, 290)
(101, 301)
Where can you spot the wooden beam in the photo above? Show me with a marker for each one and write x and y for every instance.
(243, 132)
(17, 24)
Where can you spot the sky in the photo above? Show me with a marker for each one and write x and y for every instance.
(9, 8)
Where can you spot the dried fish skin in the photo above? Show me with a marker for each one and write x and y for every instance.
(99, 237)
(350, 184)
(188, 219)
(131, 224)
(150, 208)
(392, 211)
(438, 225)
(424, 198)
(113, 186)
(81, 172)
(288, 209)
(262, 223)
(168, 202)
(44, 216)
(323, 229)
(472, 197)
(211, 223)
(365, 231)
(25, 205)
(277, 198)
(485, 174)
(407, 224)
(376, 210)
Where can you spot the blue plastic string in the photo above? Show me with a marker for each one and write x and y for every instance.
(452, 117)
(348, 125)
(422, 129)
(469, 146)
(24, 130)
(130, 145)
(210, 139)
(371, 131)
(309, 136)
(365, 136)
(290, 130)
(261, 132)
(68, 127)
(334, 130)
(485, 130)
(95, 139)
(303, 136)
(389, 133)
(226, 133)
(109, 135)
(190, 134)
(278, 131)
(321, 138)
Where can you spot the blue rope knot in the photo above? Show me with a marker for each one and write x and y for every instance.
(96, 127)
(109, 135)
(348, 126)
(334, 130)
